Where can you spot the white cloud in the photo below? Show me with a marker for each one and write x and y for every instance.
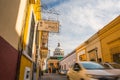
(80, 19)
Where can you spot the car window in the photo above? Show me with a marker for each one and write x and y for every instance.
(106, 66)
(76, 65)
(116, 66)
(91, 65)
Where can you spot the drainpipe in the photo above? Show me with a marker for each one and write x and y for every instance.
(20, 50)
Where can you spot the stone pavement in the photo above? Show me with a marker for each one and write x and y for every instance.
(53, 76)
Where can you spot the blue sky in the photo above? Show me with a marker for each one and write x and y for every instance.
(79, 20)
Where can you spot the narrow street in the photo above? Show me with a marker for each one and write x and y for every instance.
(53, 76)
(41, 38)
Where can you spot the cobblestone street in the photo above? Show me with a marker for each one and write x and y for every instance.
(53, 76)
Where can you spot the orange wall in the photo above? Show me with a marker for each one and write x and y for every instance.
(110, 38)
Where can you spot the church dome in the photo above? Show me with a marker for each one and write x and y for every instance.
(59, 52)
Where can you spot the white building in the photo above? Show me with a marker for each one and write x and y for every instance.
(67, 61)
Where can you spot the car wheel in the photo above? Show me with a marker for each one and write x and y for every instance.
(68, 78)
(82, 79)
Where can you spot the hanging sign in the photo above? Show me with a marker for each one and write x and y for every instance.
(45, 37)
(48, 25)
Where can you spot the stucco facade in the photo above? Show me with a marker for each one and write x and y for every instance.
(53, 61)
(8, 16)
(90, 50)
(93, 48)
(103, 46)
(30, 57)
(110, 41)
(52, 65)
(81, 54)
(9, 39)
(8, 60)
(67, 61)
(18, 29)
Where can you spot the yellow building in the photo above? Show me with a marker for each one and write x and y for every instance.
(18, 33)
(53, 65)
(53, 61)
(110, 41)
(90, 49)
(81, 54)
(29, 55)
(102, 46)
(93, 48)
(34, 39)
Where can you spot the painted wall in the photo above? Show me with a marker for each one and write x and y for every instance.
(66, 62)
(8, 60)
(105, 44)
(110, 40)
(31, 18)
(9, 39)
(8, 16)
(94, 47)
(25, 63)
(14, 21)
(81, 55)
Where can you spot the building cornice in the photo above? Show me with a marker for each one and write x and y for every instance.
(109, 26)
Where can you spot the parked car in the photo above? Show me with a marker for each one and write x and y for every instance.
(63, 72)
(111, 65)
(91, 71)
